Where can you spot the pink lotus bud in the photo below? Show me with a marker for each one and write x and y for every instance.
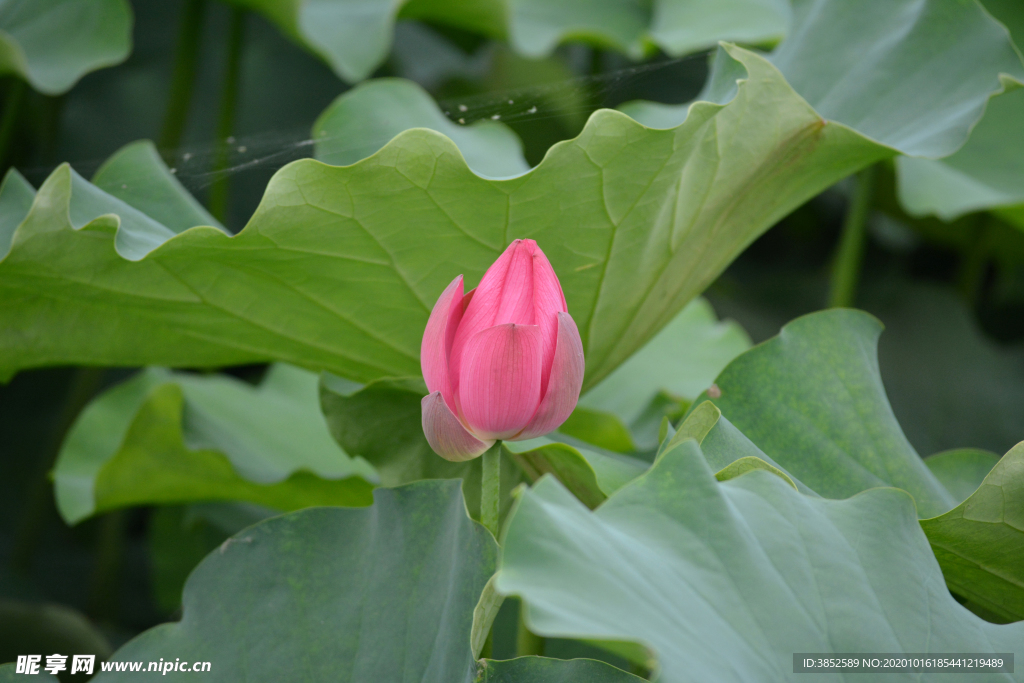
(504, 361)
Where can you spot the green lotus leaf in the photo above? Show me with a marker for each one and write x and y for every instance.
(327, 276)
(827, 67)
(366, 118)
(346, 594)
(676, 26)
(136, 175)
(53, 43)
(727, 450)
(749, 464)
(980, 543)
(810, 402)
(812, 399)
(165, 437)
(883, 98)
(987, 173)
(726, 581)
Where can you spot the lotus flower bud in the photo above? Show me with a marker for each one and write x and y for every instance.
(503, 361)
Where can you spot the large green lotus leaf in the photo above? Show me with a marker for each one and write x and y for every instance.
(726, 581)
(859, 63)
(53, 43)
(812, 399)
(632, 26)
(165, 437)
(381, 423)
(871, 65)
(980, 543)
(366, 118)
(988, 171)
(684, 359)
(384, 593)
(327, 274)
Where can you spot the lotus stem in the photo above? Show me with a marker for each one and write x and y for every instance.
(12, 105)
(527, 642)
(850, 256)
(974, 266)
(490, 488)
(186, 60)
(218, 200)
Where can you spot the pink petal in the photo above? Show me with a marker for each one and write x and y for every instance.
(548, 302)
(437, 340)
(521, 288)
(564, 384)
(499, 381)
(482, 309)
(445, 433)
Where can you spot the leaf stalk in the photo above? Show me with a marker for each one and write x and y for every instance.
(490, 488)
(527, 642)
(850, 255)
(183, 76)
(12, 105)
(218, 199)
